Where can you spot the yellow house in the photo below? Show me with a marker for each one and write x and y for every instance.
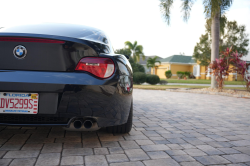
(175, 63)
(187, 64)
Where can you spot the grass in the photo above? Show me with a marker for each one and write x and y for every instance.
(194, 81)
(163, 87)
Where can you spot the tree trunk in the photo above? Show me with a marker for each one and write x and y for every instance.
(215, 44)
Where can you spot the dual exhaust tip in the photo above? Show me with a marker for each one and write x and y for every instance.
(86, 123)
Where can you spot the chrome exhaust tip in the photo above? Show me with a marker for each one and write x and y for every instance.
(87, 124)
(77, 124)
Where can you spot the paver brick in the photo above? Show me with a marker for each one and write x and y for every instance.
(32, 147)
(116, 150)
(159, 147)
(144, 142)
(209, 150)
(158, 155)
(95, 160)
(48, 159)
(136, 154)
(209, 160)
(183, 158)
(101, 151)
(237, 158)
(192, 163)
(116, 158)
(161, 162)
(52, 148)
(175, 152)
(77, 152)
(245, 150)
(72, 160)
(129, 145)
(136, 163)
(5, 162)
(26, 162)
(21, 154)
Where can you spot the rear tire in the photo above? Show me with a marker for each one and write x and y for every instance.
(124, 128)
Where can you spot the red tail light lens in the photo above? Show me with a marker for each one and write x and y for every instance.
(34, 40)
(100, 67)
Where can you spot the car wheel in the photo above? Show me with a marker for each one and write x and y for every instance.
(124, 128)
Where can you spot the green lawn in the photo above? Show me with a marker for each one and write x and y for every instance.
(194, 81)
(163, 87)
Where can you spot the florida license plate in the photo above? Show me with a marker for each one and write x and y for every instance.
(18, 103)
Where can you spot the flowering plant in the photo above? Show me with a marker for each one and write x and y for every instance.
(221, 67)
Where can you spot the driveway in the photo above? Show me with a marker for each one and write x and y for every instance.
(170, 128)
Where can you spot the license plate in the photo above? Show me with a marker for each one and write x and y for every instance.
(18, 103)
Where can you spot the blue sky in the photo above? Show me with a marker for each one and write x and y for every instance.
(125, 20)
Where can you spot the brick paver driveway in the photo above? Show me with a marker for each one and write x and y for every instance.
(170, 128)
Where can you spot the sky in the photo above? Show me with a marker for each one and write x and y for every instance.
(125, 20)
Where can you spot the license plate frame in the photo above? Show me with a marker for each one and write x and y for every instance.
(19, 103)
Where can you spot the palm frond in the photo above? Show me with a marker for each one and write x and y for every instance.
(213, 7)
(165, 7)
(225, 4)
(129, 44)
(186, 8)
(139, 49)
(135, 45)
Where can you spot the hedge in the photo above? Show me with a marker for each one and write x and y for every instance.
(139, 77)
(168, 74)
(153, 79)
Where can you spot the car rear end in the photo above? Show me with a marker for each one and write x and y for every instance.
(56, 80)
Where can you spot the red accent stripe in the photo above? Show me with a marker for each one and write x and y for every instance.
(35, 101)
(34, 108)
(34, 40)
(35, 105)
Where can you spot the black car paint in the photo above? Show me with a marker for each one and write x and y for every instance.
(64, 93)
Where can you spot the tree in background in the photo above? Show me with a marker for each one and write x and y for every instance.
(232, 34)
(151, 62)
(135, 66)
(136, 50)
(123, 51)
(213, 10)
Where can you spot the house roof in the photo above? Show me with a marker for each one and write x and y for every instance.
(144, 62)
(179, 59)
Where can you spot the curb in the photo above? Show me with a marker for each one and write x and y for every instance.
(211, 93)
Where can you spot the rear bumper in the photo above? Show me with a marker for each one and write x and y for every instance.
(64, 96)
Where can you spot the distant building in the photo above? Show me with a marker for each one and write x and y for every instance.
(176, 63)
(187, 64)
(144, 63)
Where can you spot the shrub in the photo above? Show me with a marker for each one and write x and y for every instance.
(221, 67)
(168, 74)
(180, 74)
(136, 66)
(163, 82)
(153, 79)
(187, 74)
(139, 77)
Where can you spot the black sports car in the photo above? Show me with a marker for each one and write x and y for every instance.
(66, 75)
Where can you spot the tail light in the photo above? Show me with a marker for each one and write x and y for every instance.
(100, 67)
(33, 40)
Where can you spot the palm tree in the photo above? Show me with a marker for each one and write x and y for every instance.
(213, 10)
(136, 50)
(151, 62)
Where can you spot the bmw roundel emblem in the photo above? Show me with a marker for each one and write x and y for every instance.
(20, 52)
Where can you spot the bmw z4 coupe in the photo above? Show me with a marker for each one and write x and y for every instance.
(64, 75)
